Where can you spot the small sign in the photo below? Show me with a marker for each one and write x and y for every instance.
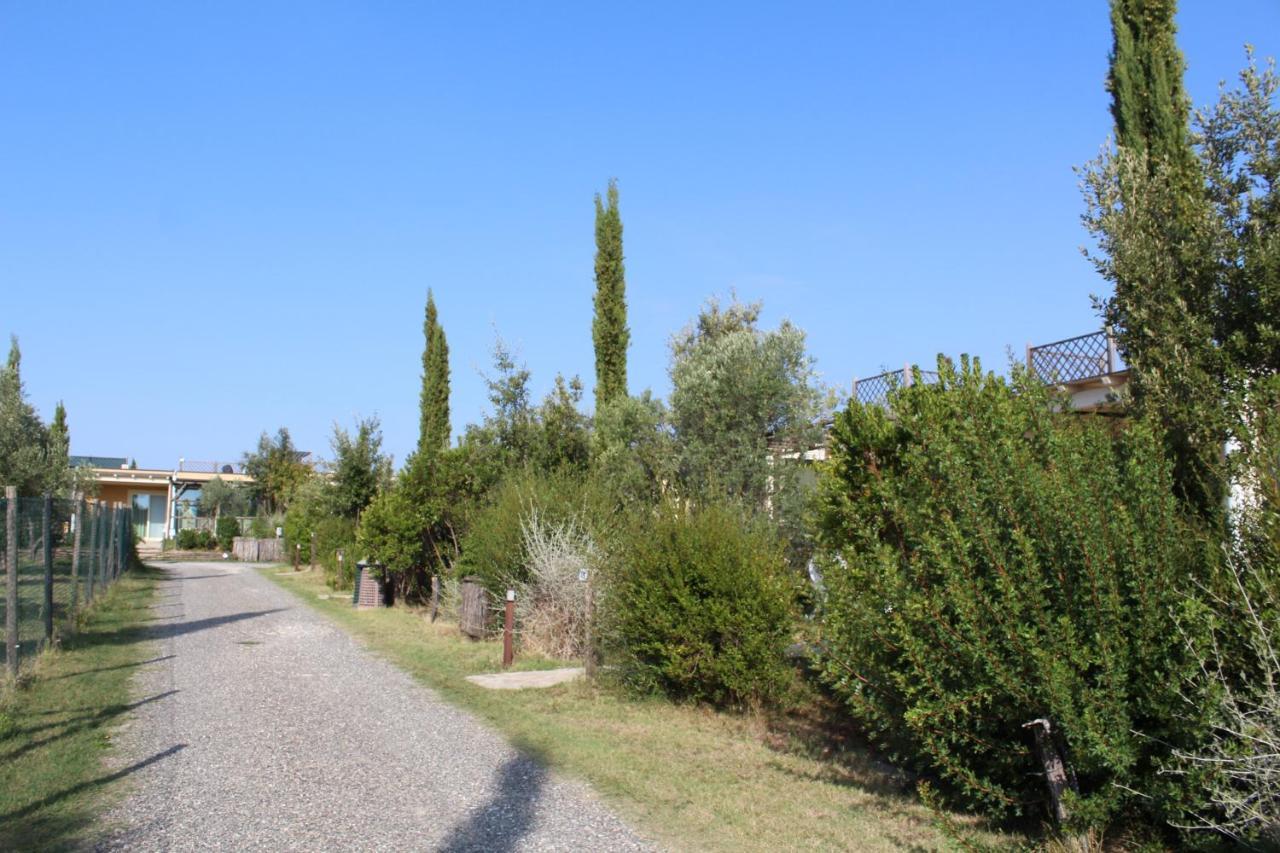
(582, 575)
(279, 532)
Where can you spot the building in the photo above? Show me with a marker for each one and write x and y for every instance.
(156, 496)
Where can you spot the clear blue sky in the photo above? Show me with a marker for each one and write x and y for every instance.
(216, 219)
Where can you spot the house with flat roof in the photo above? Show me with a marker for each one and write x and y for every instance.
(154, 494)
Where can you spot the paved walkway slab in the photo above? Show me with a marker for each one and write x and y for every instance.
(531, 678)
(266, 727)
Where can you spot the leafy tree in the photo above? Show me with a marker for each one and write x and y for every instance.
(32, 457)
(510, 435)
(633, 449)
(1157, 239)
(277, 470)
(218, 498)
(609, 328)
(566, 441)
(360, 467)
(434, 404)
(737, 388)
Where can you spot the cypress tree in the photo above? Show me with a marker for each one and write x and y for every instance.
(434, 404)
(1162, 260)
(609, 327)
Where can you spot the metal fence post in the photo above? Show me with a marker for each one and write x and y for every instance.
(11, 578)
(109, 568)
(91, 575)
(46, 527)
(78, 520)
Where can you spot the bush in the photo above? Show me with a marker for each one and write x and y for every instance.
(994, 560)
(227, 528)
(493, 548)
(699, 607)
(552, 604)
(195, 540)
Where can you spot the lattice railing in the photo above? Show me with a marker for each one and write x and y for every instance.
(197, 467)
(874, 390)
(1074, 359)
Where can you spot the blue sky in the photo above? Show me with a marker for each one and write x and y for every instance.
(217, 219)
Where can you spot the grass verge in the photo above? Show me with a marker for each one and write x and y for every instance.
(690, 777)
(56, 724)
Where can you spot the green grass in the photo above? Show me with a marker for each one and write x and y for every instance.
(56, 724)
(690, 777)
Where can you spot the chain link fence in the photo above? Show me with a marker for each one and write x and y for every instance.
(58, 555)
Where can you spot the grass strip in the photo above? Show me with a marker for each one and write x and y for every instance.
(56, 723)
(690, 777)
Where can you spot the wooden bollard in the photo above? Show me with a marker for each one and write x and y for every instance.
(297, 555)
(508, 627)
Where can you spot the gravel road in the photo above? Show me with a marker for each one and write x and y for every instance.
(265, 727)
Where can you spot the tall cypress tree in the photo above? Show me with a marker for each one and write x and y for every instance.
(434, 426)
(609, 327)
(1159, 239)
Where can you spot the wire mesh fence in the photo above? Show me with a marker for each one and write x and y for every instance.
(58, 555)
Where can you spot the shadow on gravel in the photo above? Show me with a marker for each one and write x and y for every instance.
(499, 824)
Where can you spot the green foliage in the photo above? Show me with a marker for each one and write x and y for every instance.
(1185, 225)
(699, 607)
(994, 560)
(226, 529)
(609, 327)
(219, 498)
(277, 470)
(566, 442)
(33, 457)
(633, 450)
(360, 468)
(434, 426)
(735, 388)
(196, 540)
(493, 547)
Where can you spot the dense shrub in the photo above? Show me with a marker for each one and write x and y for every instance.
(552, 604)
(995, 560)
(227, 529)
(699, 607)
(195, 540)
(493, 548)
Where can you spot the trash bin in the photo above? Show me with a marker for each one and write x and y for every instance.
(370, 590)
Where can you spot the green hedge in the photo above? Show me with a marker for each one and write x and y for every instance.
(994, 560)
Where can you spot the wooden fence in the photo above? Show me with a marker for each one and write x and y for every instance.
(257, 550)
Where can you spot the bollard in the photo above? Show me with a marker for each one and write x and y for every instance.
(435, 597)
(313, 551)
(297, 555)
(508, 626)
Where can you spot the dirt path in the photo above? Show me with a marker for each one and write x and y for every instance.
(265, 727)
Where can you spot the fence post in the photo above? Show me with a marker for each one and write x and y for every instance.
(313, 550)
(46, 518)
(435, 597)
(508, 628)
(590, 661)
(109, 567)
(75, 557)
(11, 578)
(297, 554)
(92, 570)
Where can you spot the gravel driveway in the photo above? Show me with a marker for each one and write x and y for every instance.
(265, 727)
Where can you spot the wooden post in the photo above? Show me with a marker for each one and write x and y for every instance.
(589, 662)
(46, 518)
(435, 597)
(11, 578)
(313, 550)
(75, 557)
(297, 555)
(508, 629)
(1055, 770)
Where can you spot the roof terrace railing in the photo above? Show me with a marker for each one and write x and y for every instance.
(874, 390)
(1075, 359)
(189, 466)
